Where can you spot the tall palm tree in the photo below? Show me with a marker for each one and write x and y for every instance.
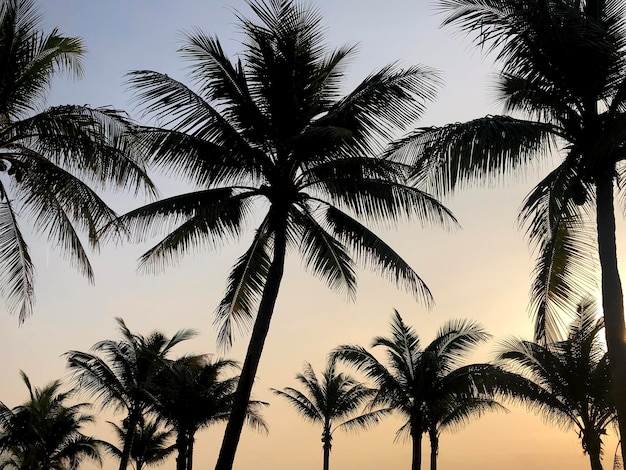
(190, 394)
(333, 402)
(49, 156)
(427, 386)
(573, 379)
(119, 373)
(563, 83)
(150, 443)
(45, 432)
(271, 132)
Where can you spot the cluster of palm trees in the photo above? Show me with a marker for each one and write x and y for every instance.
(161, 399)
(166, 401)
(270, 137)
(566, 381)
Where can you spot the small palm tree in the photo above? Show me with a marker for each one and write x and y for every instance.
(271, 134)
(572, 375)
(150, 444)
(119, 373)
(332, 402)
(45, 432)
(190, 394)
(48, 156)
(427, 386)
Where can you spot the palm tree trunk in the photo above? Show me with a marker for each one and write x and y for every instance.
(612, 297)
(326, 455)
(181, 446)
(253, 356)
(190, 451)
(416, 458)
(133, 420)
(327, 444)
(434, 447)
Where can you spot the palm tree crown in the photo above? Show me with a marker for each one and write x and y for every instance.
(151, 443)
(270, 135)
(48, 156)
(333, 402)
(120, 373)
(45, 432)
(191, 393)
(428, 386)
(573, 378)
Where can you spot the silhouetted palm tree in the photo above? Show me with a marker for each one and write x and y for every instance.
(271, 132)
(573, 379)
(333, 402)
(49, 156)
(119, 373)
(427, 386)
(45, 433)
(150, 443)
(563, 79)
(190, 394)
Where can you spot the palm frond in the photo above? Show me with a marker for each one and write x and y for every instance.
(374, 253)
(450, 157)
(17, 273)
(245, 286)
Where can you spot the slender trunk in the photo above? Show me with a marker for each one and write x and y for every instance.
(190, 451)
(133, 419)
(416, 459)
(326, 440)
(253, 356)
(593, 450)
(434, 447)
(181, 447)
(612, 298)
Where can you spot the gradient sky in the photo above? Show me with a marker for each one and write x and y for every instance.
(482, 271)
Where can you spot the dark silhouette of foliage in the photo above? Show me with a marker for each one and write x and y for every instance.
(150, 445)
(191, 394)
(271, 132)
(333, 402)
(428, 386)
(572, 375)
(49, 157)
(119, 373)
(562, 80)
(45, 432)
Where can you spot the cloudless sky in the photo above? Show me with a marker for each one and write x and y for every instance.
(482, 271)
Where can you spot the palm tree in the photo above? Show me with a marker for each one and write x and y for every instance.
(150, 443)
(332, 402)
(272, 132)
(190, 394)
(119, 373)
(573, 379)
(48, 157)
(427, 386)
(563, 81)
(45, 432)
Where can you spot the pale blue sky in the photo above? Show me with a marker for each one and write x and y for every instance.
(481, 272)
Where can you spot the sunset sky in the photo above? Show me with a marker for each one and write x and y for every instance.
(482, 271)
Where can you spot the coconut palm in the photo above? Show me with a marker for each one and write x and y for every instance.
(45, 432)
(190, 394)
(119, 373)
(150, 443)
(428, 386)
(573, 376)
(333, 402)
(562, 83)
(49, 156)
(270, 135)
